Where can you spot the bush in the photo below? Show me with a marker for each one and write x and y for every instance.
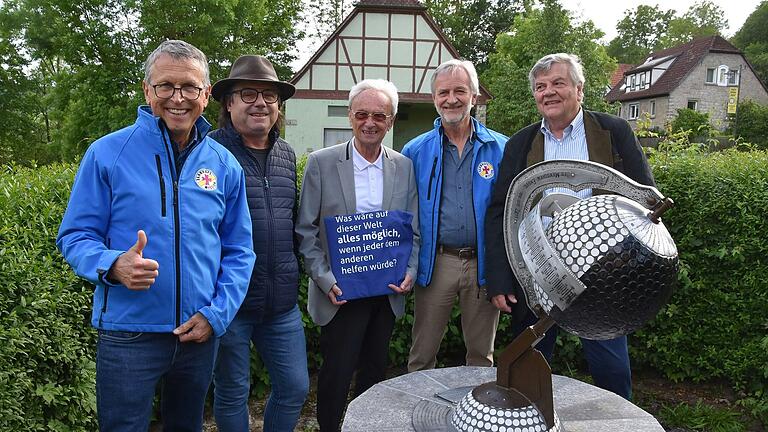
(47, 368)
(691, 120)
(715, 323)
(751, 124)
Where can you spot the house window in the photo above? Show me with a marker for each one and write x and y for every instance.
(733, 77)
(634, 110)
(653, 108)
(332, 136)
(722, 75)
(693, 104)
(710, 76)
(634, 83)
(337, 110)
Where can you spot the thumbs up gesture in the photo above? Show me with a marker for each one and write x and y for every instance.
(132, 269)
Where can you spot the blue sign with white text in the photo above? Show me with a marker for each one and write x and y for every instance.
(369, 251)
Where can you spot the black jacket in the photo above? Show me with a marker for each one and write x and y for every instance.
(271, 197)
(610, 141)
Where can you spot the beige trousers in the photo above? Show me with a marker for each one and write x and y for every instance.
(452, 276)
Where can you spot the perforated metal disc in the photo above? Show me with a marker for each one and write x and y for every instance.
(628, 264)
(431, 417)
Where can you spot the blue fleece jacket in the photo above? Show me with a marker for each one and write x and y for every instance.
(197, 225)
(426, 152)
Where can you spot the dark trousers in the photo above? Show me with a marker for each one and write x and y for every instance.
(608, 360)
(357, 338)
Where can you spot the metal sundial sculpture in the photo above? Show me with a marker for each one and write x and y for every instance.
(599, 267)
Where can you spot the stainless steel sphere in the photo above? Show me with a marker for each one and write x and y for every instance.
(627, 262)
(471, 415)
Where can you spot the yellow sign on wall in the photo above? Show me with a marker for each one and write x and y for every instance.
(733, 99)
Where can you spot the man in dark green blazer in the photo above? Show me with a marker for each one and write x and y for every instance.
(566, 131)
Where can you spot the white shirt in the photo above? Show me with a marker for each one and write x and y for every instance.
(369, 182)
(573, 146)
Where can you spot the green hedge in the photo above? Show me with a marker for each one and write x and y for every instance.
(751, 124)
(47, 368)
(691, 120)
(714, 326)
(716, 323)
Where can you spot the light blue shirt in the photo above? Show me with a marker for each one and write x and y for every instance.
(573, 146)
(369, 182)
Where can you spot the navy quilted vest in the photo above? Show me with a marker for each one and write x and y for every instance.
(272, 200)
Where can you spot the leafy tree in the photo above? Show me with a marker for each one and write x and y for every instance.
(224, 30)
(472, 25)
(649, 28)
(639, 33)
(86, 57)
(19, 104)
(752, 39)
(703, 18)
(535, 34)
(324, 16)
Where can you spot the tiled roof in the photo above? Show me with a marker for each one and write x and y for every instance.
(687, 56)
(618, 76)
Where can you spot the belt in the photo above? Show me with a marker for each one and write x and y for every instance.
(463, 253)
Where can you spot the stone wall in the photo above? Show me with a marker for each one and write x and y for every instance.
(711, 98)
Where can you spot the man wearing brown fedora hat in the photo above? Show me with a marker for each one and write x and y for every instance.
(269, 317)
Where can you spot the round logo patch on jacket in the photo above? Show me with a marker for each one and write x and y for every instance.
(485, 169)
(206, 179)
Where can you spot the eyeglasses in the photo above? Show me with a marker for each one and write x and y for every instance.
(166, 91)
(377, 116)
(250, 95)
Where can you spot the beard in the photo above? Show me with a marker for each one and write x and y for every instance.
(454, 117)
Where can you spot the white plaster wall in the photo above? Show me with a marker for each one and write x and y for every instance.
(306, 119)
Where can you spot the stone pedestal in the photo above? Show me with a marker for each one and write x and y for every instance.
(389, 405)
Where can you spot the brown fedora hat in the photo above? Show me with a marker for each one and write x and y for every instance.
(252, 68)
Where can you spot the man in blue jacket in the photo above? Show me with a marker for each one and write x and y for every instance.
(158, 221)
(250, 128)
(456, 165)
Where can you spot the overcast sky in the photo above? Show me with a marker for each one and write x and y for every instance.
(605, 14)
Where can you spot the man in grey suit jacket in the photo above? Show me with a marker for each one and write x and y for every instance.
(354, 177)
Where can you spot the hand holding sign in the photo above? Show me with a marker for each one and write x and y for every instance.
(369, 253)
(333, 294)
(132, 269)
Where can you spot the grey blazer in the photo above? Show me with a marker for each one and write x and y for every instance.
(328, 190)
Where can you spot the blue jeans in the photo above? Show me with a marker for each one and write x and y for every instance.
(280, 343)
(129, 366)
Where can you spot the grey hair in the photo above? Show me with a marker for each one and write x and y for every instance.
(575, 70)
(178, 50)
(381, 85)
(450, 66)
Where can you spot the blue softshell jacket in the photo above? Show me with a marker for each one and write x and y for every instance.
(197, 225)
(426, 152)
